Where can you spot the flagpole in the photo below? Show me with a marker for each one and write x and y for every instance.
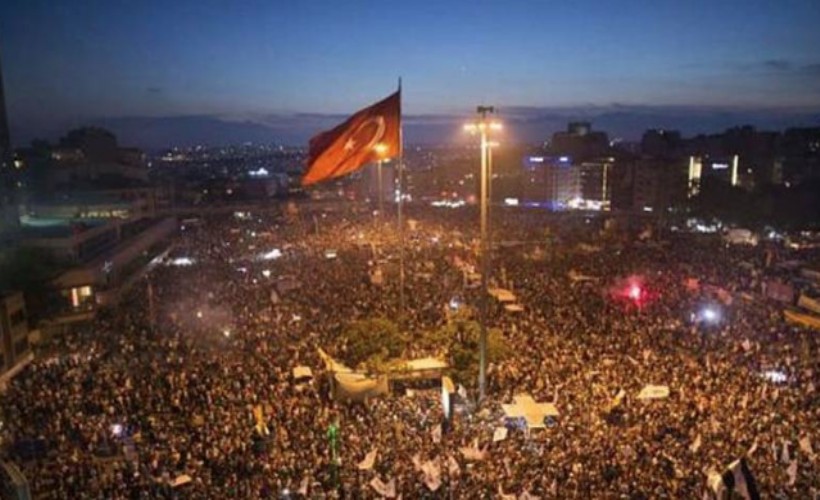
(400, 167)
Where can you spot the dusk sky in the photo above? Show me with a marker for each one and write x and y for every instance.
(268, 67)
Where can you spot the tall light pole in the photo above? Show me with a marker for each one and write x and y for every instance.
(483, 126)
(490, 146)
(381, 150)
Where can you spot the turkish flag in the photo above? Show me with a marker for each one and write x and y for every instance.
(349, 146)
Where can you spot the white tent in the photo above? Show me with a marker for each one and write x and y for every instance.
(358, 387)
(419, 368)
(331, 364)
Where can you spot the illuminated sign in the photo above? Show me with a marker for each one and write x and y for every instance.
(720, 166)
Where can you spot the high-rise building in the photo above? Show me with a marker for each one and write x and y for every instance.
(580, 142)
(652, 184)
(660, 143)
(596, 181)
(8, 208)
(550, 180)
(5, 140)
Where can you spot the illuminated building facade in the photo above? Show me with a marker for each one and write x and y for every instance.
(14, 345)
(705, 168)
(552, 181)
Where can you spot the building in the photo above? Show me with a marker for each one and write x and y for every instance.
(579, 142)
(799, 159)
(741, 156)
(8, 207)
(551, 181)
(660, 143)
(6, 153)
(87, 158)
(101, 240)
(14, 345)
(649, 184)
(97, 281)
(726, 169)
(596, 182)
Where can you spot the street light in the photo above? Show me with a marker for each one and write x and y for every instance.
(381, 150)
(483, 126)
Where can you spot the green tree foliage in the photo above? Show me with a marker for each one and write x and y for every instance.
(461, 340)
(372, 342)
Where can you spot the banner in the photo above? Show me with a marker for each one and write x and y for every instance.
(331, 364)
(452, 467)
(437, 434)
(181, 480)
(369, 460)
(387, 490)
(356, 387)
(473, 453)
(261, 426)
(432, 475)
(617, 400)
(807, 320)
(777, 290)
(654, 392)
(692, 284)
(809, 303)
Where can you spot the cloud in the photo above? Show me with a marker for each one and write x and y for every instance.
(811, 69)
(777, 65)
(779, 68)
(154, 90)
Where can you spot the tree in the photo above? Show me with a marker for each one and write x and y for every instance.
(461, 338)
(372, 342)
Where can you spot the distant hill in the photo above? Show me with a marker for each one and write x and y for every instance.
(523, 124)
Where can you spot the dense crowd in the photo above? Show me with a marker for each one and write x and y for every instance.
(164, 385)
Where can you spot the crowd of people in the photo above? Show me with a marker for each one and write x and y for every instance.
(156, 397)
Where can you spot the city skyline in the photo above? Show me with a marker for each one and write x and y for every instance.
(189, 72)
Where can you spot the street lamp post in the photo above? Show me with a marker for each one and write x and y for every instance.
(483, 126)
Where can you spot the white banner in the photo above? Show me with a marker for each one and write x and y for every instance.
(809, 303)
(432, 475)
(387, 490)
(369, 460)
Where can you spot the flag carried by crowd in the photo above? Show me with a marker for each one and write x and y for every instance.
(387, 490)
(369, 460)
(371, 134)
(737, 478)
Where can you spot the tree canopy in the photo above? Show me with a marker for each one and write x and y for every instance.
(371, 342)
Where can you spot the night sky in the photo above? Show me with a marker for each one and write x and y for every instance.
(221, 71)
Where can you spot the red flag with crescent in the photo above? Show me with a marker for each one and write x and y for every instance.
(353, 144)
